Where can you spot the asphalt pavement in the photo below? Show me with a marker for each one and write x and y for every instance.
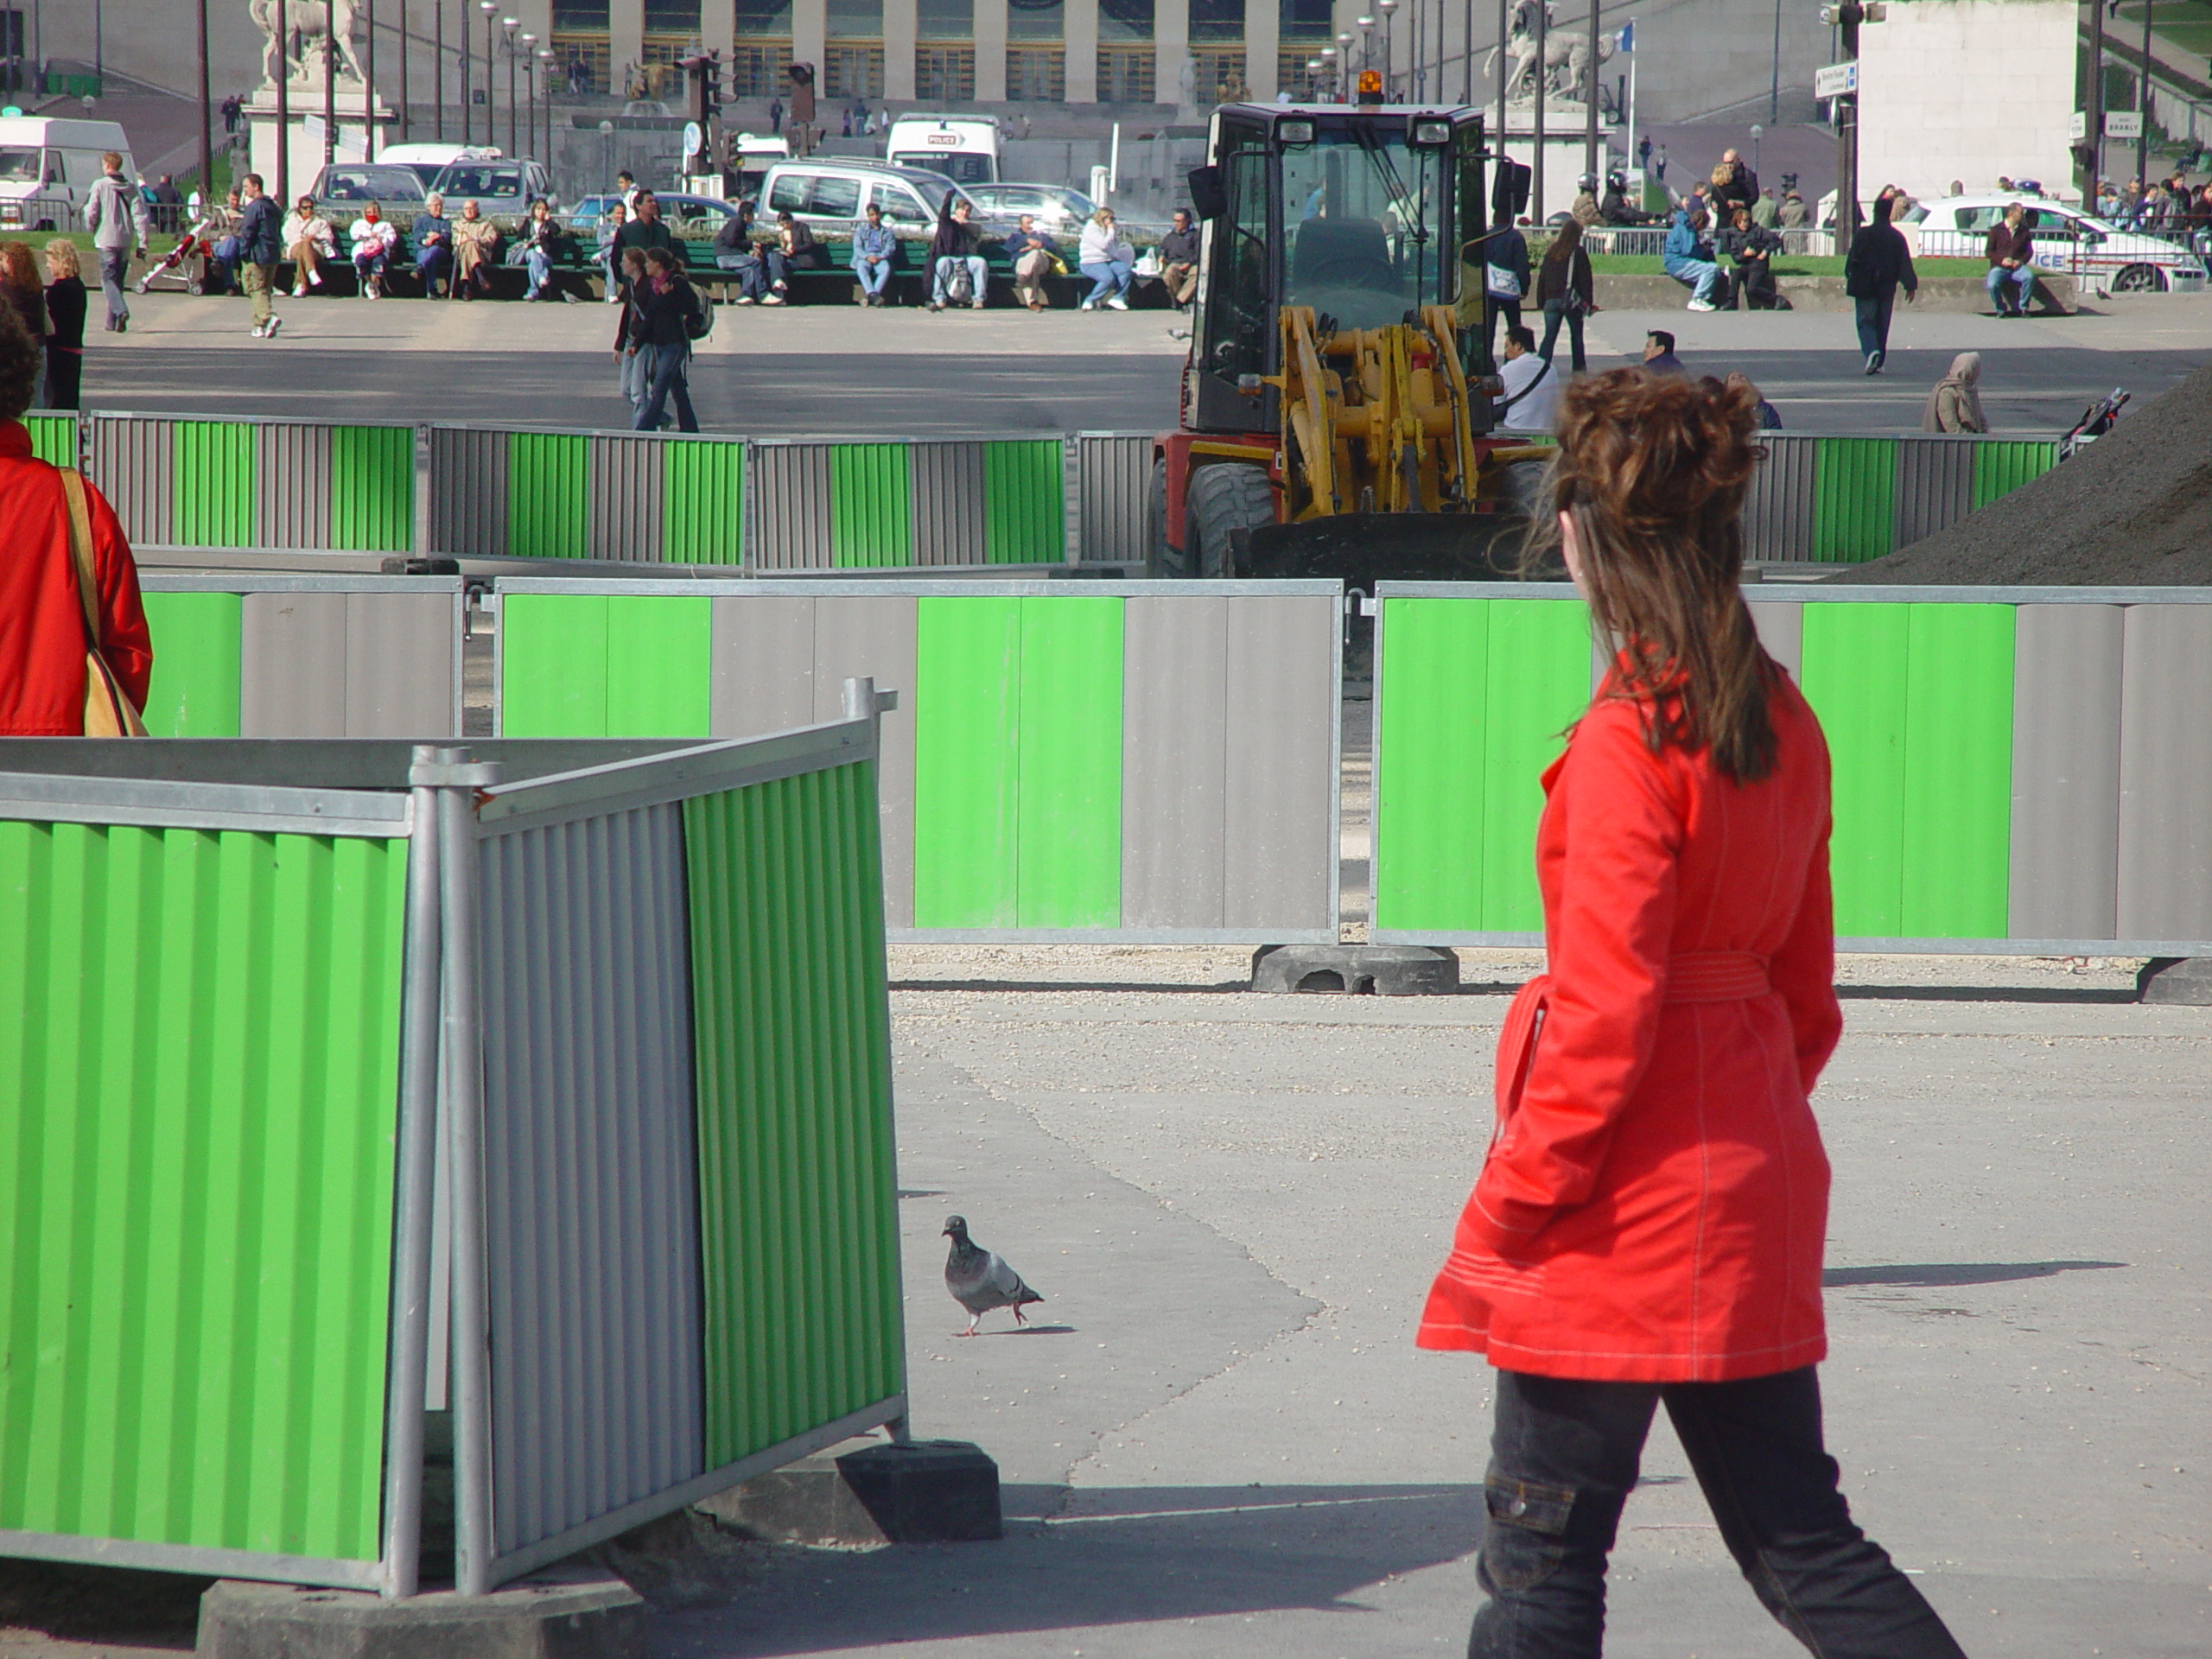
(840, 370)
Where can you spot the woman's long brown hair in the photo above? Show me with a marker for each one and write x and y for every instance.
(1653, 470)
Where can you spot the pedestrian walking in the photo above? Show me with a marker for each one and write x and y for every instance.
(1878, 263)
(1501, 253)
(67, 303)
(630, 366)
(1567, 289)
(1649, 1221)
(116, 215)
(1954, 403)
(259, 246)
(73, 632)
(668, 315)
(1662, 165)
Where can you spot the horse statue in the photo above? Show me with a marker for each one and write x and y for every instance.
(1566, 65)
(317, 26)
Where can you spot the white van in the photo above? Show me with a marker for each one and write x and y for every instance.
(48, 168)
(964, 148)
(828, 192)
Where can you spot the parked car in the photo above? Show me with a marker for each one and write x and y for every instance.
(1055, 207)
(830, 194)
(427, 161)
(688, 216)
(2068, 241)
(349, 187)
(501, 189)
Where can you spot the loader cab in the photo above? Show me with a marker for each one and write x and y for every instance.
(1355, 212)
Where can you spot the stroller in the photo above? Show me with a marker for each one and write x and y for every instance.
(2096, 420)
(179, 269)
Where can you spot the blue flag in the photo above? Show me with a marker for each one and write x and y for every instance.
(1628, 36)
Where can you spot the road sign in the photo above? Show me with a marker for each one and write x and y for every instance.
(694, 139)
(2123, 124)
(1836, 80)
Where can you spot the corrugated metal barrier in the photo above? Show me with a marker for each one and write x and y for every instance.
(2016, 770)
(1082, 761)
(1844, 500)
(630, 998)
(249, 654)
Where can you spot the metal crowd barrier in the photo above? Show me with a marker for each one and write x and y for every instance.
(2016, 770)
(1139, 761)
(250, 654)
(551, 968)
(1846, 500)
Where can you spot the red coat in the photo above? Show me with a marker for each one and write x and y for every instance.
(1654, 1205)
(42, 619)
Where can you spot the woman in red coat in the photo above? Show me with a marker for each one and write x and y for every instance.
(42, 631)
(1648, 1223)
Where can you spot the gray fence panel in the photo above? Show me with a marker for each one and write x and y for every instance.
(2165, 774)
(1113, 497)
(1934, 485)
(789, 490)
(763, 666)
(859, 635)
(622, 500)
(1778, 512)
(2066, 726)
(591, 1171)
(317, 662)
(468, 495)
(948, 503)
(291, 485)
(1279, 846)
(1174, 742)
(131, 467)
(1781, 628)
(292, 664)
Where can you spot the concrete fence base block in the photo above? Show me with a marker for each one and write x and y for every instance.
(2184, 981)
(928, 1492)
(1375, 969)
(570, 1615)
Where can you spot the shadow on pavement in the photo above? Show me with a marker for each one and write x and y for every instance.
(1957, 1273)
(1988, 993)
(1109, 1557)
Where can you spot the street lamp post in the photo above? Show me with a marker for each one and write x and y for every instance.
(510, 24)
(1366, 42)
(330, 98)
(466, 71)
(1329, 55)
(491, 8)
(1344, 76)
(545, 74)
(1388, 8)
(369, 92)
(1757, 132)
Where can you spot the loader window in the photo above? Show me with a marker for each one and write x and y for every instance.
(1240, 320)
(1360, 210)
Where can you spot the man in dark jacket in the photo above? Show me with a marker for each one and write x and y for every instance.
(1178, 259)
(1501, 255)
(2011, 248)
(1751, 248)
(1740, 188)
(956, 243)
(645, 230)
(259, 246)
(1878, 263)
(664, 310)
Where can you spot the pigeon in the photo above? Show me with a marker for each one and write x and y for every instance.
(980, 1280)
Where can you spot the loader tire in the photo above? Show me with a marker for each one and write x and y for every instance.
(1224, 497)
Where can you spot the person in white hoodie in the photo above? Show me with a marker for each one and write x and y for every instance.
(116, 215)
(310, 242)
(1104, 256)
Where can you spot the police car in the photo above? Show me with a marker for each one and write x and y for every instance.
(2100, 256)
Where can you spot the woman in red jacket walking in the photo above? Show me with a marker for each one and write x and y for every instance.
(44, 636)
(1648, 1223)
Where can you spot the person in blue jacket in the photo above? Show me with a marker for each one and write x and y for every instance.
(875, 252)
(1689, 258)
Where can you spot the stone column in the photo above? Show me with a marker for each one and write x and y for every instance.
(1262, 35)
(810, 43)
(901, 20)
(625, 37)
(718, 26)
(1079, 29)
(990, 51)
(1171, 48)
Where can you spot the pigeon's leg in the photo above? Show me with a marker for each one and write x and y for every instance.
(1019, 1318)
(974, 1320)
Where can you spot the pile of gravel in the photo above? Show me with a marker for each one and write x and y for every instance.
(2133, 510)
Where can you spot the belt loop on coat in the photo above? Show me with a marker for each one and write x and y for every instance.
(1716, 977)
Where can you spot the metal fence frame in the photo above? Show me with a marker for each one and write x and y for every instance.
(2142, 772)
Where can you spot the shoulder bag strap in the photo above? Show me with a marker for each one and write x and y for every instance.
(80, 553)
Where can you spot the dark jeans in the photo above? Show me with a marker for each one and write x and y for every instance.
(1554, 313)
(1874, 321)
(1493, 307)
(65, 371)
(1563, 1460)
(670, 373)
(1755, 282)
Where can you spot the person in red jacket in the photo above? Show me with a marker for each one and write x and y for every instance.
(42, 635)
(1648, 1223)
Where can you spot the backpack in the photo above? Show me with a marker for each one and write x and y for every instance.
(960, 286)
(699, 321)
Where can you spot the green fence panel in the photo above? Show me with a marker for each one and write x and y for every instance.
(797, 1196)
(1068, 805)
(659, 666)
(548, 474)
(1855, 667)
(702, 502)
(1025, 501)
(966, 683)
(1958, 772)
(53, 438)
(199, 1042)
(1855, 498)
(372, 488)
(198, 649)
(2002, 465)
(553, 665)
(871, 505)
(1476, 697)
(212, 485)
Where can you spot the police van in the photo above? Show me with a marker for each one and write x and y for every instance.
(964, 148)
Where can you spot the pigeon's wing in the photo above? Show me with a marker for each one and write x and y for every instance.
(1007, 1283)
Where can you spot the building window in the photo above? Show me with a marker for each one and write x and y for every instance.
(1124, 20)
(944, 74)
(1305, 20)
(765, 17)
(585, 16)
(756, 68)
(1125, 75)
(1034, 20)
(580, 61)
(1220, 70)
(856, 69)
(1217, 20)
(1293, 77)
(944, 20)
(1036, 74)
(855, 20)
(672, 18)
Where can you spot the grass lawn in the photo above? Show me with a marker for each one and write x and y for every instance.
(1627, 264)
